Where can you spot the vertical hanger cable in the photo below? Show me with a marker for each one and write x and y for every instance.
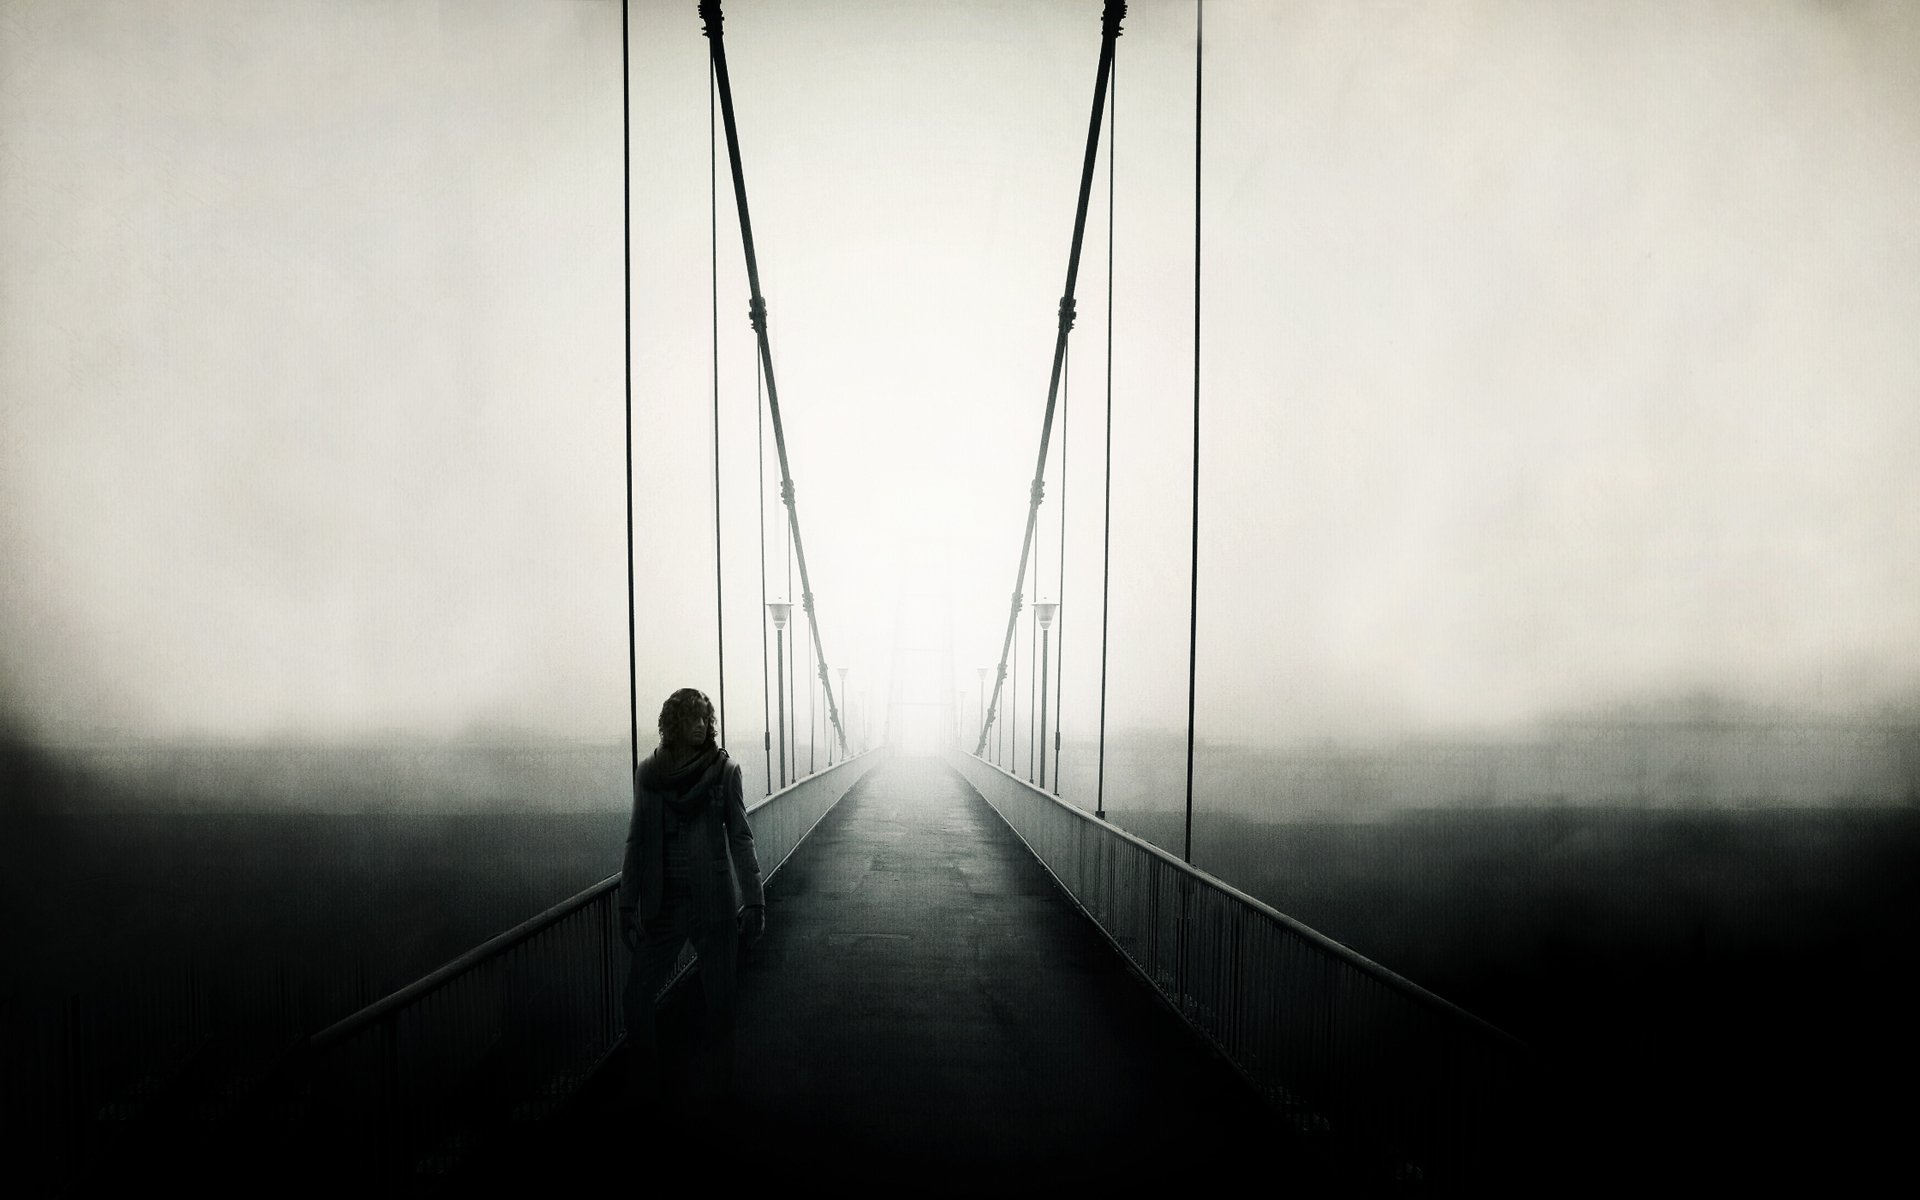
(713, 239)
(626, 245)
(1193, 595)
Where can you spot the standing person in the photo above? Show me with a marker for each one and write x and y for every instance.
(689, 856)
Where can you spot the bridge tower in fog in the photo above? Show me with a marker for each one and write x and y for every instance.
(922, 716)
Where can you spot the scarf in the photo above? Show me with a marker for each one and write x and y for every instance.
(683, 788)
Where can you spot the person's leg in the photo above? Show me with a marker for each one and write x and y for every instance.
(653, 959)
(718, 948)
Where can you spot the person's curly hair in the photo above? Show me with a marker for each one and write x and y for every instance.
(687, 702)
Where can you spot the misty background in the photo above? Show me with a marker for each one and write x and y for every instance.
(1557, 643)
(1558, 373)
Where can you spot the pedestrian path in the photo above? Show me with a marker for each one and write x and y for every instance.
(926, 1000)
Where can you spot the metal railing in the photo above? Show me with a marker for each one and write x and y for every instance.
(1382, 1065)
(402, 1090)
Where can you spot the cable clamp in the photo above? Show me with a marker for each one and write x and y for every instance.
(757, 314)
(786, 492)
(1110, 18)
(710, 17)
(1067, 312)
(1038, 492)
(806, 602)
(1016, 602)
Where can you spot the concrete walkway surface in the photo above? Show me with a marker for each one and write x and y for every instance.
(926, 1001)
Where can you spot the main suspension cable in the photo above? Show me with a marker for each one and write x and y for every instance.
(1110, 19)
(757, 313)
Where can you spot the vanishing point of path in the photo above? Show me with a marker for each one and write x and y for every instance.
(925, 999)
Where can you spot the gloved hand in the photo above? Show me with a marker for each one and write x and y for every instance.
(753, 922)
(629, 929)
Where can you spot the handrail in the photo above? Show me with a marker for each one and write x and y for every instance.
(493, 947)
(1405, 1080)
(1339, 950)
(500, 943)
(522, 1018)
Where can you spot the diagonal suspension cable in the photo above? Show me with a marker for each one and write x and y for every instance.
(1110, 19)
(711, 20)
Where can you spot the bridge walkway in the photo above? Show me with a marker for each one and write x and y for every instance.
(925, 997)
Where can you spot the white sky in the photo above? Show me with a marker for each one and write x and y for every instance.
(1555, 354)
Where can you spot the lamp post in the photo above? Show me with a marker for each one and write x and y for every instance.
(1046, 610)
(780, 610)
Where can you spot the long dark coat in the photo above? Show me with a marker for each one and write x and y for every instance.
(724, 872)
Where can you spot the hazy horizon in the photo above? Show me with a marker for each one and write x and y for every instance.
(1703, 760)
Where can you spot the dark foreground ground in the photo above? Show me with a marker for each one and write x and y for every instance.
(1718, 998)
(155, 962)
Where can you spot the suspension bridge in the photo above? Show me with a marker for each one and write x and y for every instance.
(965, 973)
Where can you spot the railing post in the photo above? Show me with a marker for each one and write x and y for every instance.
(1182, 932)
(609, 1027)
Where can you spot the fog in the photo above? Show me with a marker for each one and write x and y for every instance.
(1557, 359)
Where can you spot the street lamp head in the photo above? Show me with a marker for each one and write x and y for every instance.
(843, 676)
(780, 611)
(1046, 610)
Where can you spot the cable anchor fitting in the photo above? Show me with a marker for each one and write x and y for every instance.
(710, 17)
(1110, 17)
